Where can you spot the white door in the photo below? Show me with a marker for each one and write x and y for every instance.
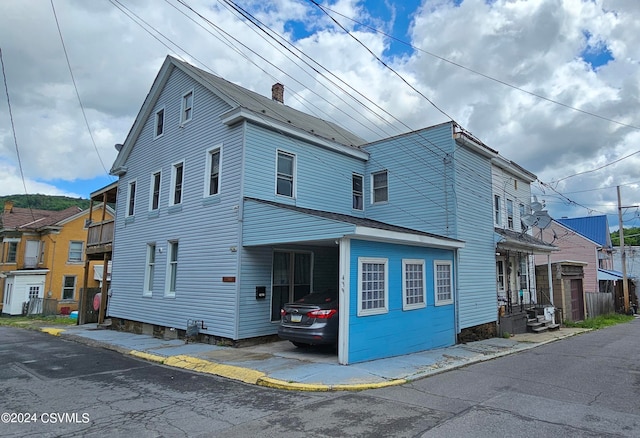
(35, 299)
(31, 254)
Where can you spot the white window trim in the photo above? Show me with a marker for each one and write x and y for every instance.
(146, 291)
(361, 193)
(173, 183)
(151, 183)
(513, 214)
(184, 120)
(164, 123)
(167, 283)
(497, 210)
(133, 182)
(406, 306)
(294, 185)
(207, 170)
(373, 199)
(69, 260)
(380, 310)
(437, 263)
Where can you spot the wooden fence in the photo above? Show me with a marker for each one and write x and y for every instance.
(599, 303)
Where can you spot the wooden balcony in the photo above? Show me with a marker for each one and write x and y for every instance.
(100, 238)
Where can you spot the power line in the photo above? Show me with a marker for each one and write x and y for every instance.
(484, 75)
(75, 87)
(15, 137)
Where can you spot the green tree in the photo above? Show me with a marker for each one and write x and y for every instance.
(631, 237)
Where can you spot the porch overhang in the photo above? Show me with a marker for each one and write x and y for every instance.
(306, 226)
(605, 274)
(508, 240)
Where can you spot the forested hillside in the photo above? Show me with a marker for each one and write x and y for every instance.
(631, 237)
(44, 202)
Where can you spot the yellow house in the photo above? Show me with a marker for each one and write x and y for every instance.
(42, 259)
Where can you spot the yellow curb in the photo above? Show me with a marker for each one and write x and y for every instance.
(204, 366)
(281, 384)
(147, 356)
(295, 386)
(52, 331)
(363, 386)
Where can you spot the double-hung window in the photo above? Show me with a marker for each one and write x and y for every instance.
(68, 287)
(177, 177)
(154, 201)
(12, 252)
(356, 187)
(497, 209)
(443, 279)
(131, 198)
(75, 251)
(380, 186)
(285, 174)
(212, 174)
(172, 268)
(510, 214)
(187, 107)
(159, 126)
(373, 286)
(413, 284)
(149, 269)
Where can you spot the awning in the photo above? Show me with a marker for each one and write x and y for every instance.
(604, 274)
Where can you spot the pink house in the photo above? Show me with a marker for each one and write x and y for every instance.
(583, 239)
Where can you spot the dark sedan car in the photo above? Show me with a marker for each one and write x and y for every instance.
(311, 320)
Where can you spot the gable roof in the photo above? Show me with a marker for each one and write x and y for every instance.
(595, 228)
(23, 219)
(264, 109)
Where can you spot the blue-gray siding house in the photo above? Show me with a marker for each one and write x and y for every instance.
(231, 204)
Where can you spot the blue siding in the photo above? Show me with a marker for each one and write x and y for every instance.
(398, 332)
(477, 293)
(323, 177)
(206, 229)
(440, 187)
(268, 224)
(421, 192)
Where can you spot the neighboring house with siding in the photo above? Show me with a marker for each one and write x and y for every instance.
(231, 204)
(585, 239)
(516, 245)
(42, 259)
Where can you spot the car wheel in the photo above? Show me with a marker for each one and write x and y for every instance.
(300, 344)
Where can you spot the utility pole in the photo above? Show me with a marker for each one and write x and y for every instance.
(625, 286)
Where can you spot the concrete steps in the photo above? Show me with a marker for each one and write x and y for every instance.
(539, 324)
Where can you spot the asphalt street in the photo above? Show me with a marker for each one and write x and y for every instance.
(583, 386)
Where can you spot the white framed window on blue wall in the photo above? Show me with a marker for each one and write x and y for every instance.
(172, 269)
(186, 113)
(212, 171)
(443, 282)
(285, 174)
(154, 199)
(131, 198)
(379, 187)
(177, 178)
(373, 286)
(159, 125)
(413, 284)
(149, 269)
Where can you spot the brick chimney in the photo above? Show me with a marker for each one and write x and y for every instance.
(8, 206)
(277, 92)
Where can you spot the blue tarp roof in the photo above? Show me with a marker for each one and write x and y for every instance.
(605, 274)
(595, 228)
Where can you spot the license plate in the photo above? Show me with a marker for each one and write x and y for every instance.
(296, 318)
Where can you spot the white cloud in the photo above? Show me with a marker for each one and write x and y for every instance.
(533, 45)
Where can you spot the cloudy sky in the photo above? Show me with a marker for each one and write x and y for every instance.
(554, 85)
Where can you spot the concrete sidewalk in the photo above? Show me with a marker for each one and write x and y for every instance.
(281, 365)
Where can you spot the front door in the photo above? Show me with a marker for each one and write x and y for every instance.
(577, 301)
(35, 299)
(291, 279)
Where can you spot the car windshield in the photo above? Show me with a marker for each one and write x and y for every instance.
(319, 297)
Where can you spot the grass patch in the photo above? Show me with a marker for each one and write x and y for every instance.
(600, 321)
(35, 321)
